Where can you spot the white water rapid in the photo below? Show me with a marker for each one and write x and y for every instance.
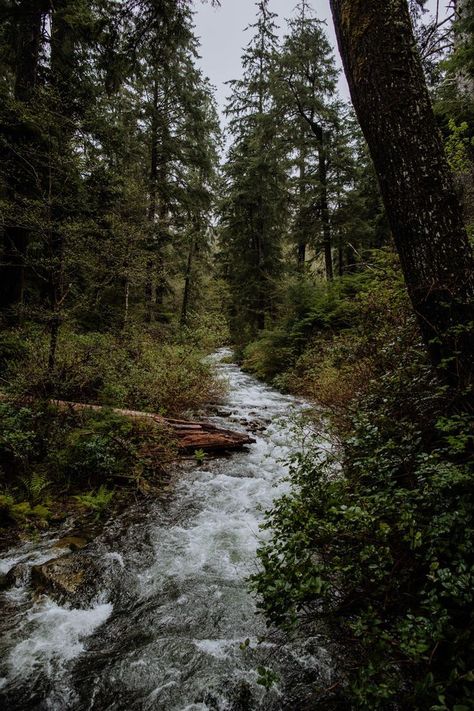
(165, 627)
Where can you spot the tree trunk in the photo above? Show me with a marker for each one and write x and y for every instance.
(152, 201)
(187, 283)
(161, 282)
(301, 251)
(59, 183)
(126, 304)
(340, 257)
(318, 132)
(149, 291)
(391, 99)
(324, 206)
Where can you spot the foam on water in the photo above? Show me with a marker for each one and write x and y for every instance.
(29, 554)
(54, 636)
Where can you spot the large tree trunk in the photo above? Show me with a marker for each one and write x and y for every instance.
(390, 97)
(301, 249)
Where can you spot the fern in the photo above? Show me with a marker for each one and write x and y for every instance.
(35, 485)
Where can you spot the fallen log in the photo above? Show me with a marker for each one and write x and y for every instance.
(189, 435)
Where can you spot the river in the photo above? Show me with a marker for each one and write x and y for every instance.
(166, 626)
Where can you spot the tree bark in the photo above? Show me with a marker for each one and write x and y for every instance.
(62, 80)
(152, 203)
(301, 249)
(340, 257)
(318, 132)
(187, 283)
(324, 207)
(391, 100)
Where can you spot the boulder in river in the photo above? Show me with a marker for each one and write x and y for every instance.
(18, 575)
(74, 575)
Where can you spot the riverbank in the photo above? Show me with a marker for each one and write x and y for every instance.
(381, 552)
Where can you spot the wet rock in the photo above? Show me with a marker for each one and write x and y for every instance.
(255, 425)
(16, 576)
(73, 575)
(4, 581)
(74, 543)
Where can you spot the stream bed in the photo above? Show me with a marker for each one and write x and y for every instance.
(164, 628)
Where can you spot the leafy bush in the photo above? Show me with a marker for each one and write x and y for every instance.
(46, 454)
(12, 348)
(97, 501)
(132, 371)
(381, 547)
(385, 551)
(362, 308)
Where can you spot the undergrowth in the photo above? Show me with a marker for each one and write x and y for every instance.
(379, 550)
(49, 457)
(57, 459)
(131, 370)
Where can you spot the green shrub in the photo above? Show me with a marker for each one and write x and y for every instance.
(133, 372)
(364, 307)
(381, 550)
(12, 348)
(46, 453)
(14, 512)
(36, 484)
(98, 501)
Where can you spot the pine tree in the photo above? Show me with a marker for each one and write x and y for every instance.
(255, 204)
(305, 84)
(22, 39)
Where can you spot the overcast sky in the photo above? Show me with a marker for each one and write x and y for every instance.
(222, 35)
(221, 30)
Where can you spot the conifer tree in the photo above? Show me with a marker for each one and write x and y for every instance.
(305, 85)
(255, 204)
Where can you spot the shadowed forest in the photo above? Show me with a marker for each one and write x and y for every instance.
(326, 243)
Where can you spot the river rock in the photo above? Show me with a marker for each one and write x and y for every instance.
(74, 575)
(18, 575)
(255, 426)
(74, 543)
(5, 581)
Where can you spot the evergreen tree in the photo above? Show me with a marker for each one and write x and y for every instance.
(255, 204)
(108, 127)
(305, 84)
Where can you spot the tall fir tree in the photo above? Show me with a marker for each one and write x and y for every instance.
(255, 204)
(305, 80)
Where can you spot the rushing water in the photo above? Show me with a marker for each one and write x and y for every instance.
(165, 627)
